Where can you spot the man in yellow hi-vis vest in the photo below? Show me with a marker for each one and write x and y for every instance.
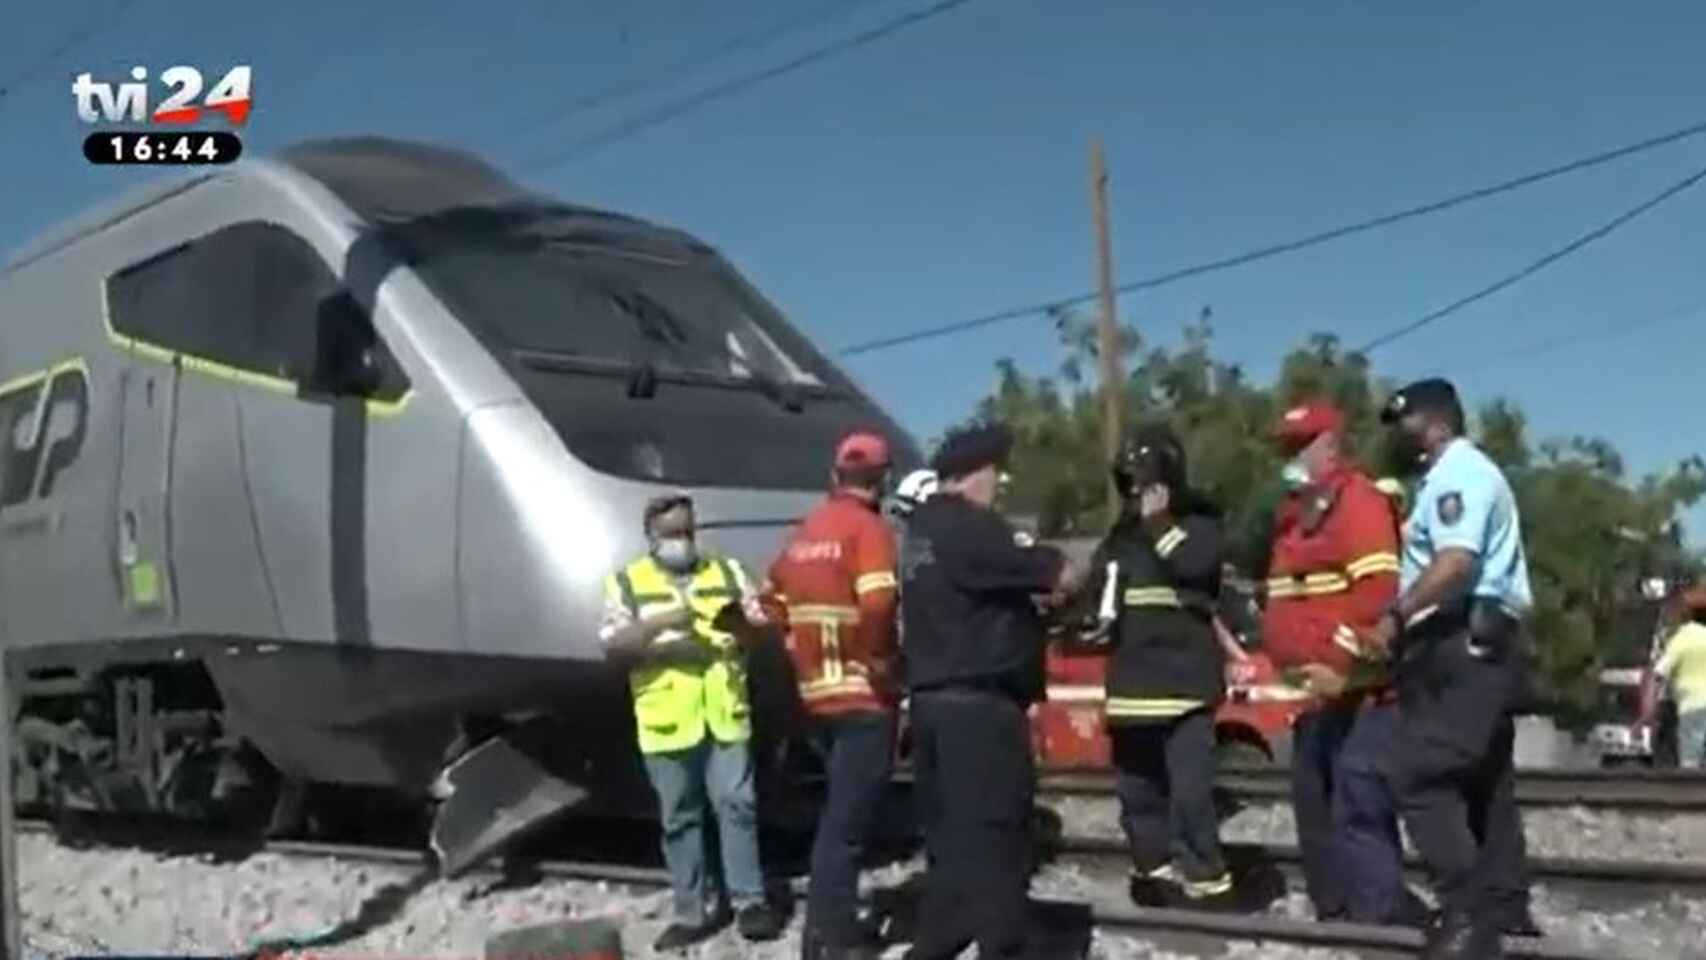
(667, 619)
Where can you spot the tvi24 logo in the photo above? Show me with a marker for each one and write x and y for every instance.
(99, 101)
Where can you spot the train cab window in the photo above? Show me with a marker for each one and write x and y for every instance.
(20, 412)
(257, 297)
(67, 424)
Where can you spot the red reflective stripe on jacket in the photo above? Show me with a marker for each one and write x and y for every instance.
(1353, 555)
(836, 579)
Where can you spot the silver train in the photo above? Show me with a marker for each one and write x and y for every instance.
(314, 465)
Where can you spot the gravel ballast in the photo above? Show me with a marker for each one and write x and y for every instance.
(127, 901)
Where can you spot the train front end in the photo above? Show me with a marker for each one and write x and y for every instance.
(643, 363)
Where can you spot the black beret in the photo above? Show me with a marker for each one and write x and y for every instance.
(970, 449)
(1433, 395)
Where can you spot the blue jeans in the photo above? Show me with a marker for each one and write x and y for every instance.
(1318, 737)
(1690, 737)
(1369, 852)
(683, 781)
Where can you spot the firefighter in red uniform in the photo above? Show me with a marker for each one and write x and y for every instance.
(836, 580)
(1333, 571)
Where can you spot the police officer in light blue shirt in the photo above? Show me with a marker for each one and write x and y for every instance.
(1453, 634)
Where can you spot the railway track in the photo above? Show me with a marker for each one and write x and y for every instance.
(1665, 791)
(1596, 882)
(1103, 860)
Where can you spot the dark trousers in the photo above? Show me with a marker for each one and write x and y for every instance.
(1317, 739)
(858, 755)
(1369, 852)
(974, 782)
(1164, 775)
(1456, 781)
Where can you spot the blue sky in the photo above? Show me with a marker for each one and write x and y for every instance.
(941, 173)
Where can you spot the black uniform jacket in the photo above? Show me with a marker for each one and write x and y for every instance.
(967, 614)
(1166, 659)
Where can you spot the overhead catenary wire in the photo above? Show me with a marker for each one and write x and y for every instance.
(736, 85)
(1283, 247)
(655, 79)
(1511, 279)
(1533, 350)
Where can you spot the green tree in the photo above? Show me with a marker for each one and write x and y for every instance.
(1591, 532)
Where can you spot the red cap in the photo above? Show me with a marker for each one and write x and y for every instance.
(862, 448)
(1306, 421)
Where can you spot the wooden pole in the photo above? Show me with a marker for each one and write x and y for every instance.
(1113, 391)
(8, 828)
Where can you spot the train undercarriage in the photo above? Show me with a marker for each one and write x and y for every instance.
(306, 740)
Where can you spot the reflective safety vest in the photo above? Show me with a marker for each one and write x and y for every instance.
(674, 705)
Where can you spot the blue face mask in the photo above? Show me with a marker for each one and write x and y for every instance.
(675, 553)
(1295, 475)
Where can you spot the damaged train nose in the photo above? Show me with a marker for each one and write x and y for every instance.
(490, 797)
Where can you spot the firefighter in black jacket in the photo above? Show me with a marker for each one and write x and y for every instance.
(1159, 580)
(974, 647)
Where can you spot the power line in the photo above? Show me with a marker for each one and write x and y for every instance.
(77, 37)
(1537, 349)
(688, 104)
(686, 66)
(1597, 233)
(1287, 246)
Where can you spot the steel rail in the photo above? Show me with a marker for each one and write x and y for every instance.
(1666, 791)
(1652, 878)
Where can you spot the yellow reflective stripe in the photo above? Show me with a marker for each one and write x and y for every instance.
(1371, 564)
(238, 375)
(1390, 486)
(1076, 693)
(1169, 542)
(823, 689)
(1346, 639)
(1312, 585)
(1276, 692)
(821, 613)
(1151, 597)
(1325, 583)
(880, 580)
(1148, 707)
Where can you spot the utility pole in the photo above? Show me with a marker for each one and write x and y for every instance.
(1113, 391)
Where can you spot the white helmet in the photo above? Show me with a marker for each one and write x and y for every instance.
(917, 486)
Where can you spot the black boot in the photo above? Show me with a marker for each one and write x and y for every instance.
(760, 921)
(1455, 935)
(680, 936)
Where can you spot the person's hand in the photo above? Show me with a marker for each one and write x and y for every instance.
(1154, 501)
(675, 618)
(1377, 644)
(1322, 680)
(753, 609)
(1073, 573)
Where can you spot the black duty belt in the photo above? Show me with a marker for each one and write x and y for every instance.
(989, 686)
(1490, 629)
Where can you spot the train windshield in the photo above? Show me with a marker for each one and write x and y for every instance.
(649, 354)
(581, 291)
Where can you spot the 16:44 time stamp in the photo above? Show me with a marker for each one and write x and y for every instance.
(156, 149)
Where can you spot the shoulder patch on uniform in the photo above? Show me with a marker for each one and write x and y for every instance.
(1450, 506)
